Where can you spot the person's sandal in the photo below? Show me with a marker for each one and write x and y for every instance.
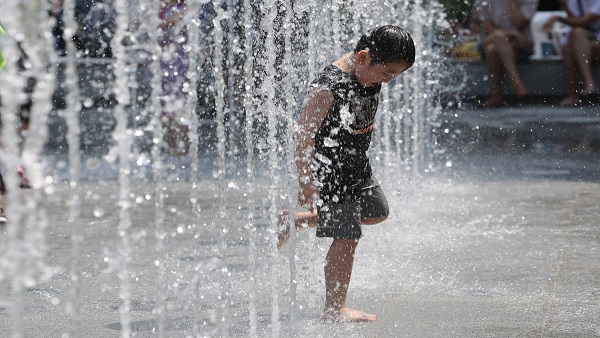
(3, 219)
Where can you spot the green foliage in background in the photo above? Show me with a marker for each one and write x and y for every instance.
(456, 9)
(2, 60)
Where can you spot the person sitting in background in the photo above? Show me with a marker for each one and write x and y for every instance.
(507, 39)
(581, 48)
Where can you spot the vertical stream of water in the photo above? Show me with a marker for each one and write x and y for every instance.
(262, 55)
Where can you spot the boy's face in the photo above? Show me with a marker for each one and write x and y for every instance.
(369, 74)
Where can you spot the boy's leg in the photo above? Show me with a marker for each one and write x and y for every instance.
(340, 257)
(338, 270)
(307, 220)
(374, 210)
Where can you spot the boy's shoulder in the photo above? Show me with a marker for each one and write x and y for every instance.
(331, 74)
(334, 78)
(342, 84)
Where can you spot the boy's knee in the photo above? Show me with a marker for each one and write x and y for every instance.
(374, 220)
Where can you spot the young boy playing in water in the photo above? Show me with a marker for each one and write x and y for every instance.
(331, 156)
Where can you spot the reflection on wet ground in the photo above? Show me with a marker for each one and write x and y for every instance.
(521, 141)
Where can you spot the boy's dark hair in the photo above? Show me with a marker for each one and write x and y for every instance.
(388, 44)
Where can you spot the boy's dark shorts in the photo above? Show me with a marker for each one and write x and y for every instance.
(343, 220)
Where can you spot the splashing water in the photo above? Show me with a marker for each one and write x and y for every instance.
(200, 207)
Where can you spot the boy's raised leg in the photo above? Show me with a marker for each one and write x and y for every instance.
(338, 270)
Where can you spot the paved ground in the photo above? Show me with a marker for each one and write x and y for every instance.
(499, 239)
(462, 255)
(537, 125)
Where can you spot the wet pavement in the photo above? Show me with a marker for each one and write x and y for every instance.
(499, 238)
(490, 246)
(540, 127)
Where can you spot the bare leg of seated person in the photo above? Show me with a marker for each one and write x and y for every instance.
(586, 50)
(572, 73)
(580, 50)
(501, 58)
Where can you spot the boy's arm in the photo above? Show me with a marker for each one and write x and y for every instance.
(320, 101)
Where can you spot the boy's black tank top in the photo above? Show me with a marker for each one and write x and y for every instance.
(342, 142)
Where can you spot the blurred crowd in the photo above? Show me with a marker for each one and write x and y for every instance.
(93, 41)
(96, 25)
(501, 33)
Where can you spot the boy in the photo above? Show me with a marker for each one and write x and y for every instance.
(334, 171)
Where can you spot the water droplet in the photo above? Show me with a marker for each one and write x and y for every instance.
(88, 102)
(98, 212)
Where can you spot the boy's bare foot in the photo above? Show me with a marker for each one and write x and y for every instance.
(570, 101)
(283, 226)
(347, 315)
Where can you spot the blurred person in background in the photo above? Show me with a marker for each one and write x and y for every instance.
(507, 40)
(24, 181)
(96, 27)
(581, 48)
(174, 64)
